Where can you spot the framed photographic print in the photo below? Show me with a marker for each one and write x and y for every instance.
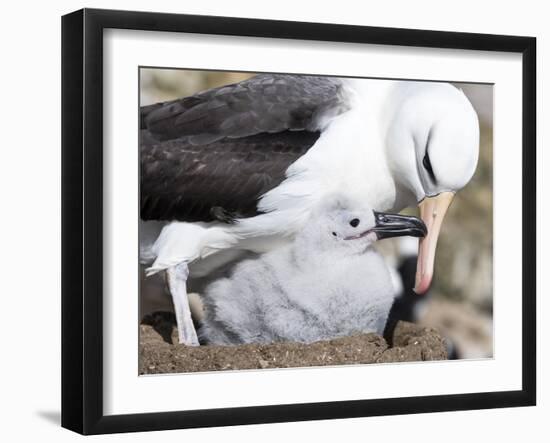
(271, 221)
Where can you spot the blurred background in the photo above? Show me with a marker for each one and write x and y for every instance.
(460, 302)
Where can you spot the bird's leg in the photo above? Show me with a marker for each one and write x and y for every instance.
(177, 283)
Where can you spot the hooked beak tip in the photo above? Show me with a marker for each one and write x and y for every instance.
(422, 284)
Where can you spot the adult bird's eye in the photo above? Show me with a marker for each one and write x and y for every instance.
(428, 165)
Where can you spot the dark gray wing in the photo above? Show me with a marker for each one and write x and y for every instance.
(265, 103)
(220, 181)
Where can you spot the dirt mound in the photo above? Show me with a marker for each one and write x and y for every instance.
(410, 343)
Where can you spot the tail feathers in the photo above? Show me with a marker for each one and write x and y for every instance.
(185, 242)
(156, 267)
(216, 239)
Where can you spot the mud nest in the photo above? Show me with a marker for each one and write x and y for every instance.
(158, 355)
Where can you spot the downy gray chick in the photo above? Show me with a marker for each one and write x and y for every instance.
(328, 283)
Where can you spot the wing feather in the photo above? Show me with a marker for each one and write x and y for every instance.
(265, 103)
(186, 182)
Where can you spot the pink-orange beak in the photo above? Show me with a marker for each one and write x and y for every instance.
(432, 213)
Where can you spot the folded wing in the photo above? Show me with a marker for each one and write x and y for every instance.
(214, 154)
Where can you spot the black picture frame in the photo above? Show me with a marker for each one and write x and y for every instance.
(82, 218)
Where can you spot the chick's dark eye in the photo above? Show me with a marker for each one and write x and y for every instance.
(428, 165)
(335, 234)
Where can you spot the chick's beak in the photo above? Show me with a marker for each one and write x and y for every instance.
(432, 212)
(397, 225)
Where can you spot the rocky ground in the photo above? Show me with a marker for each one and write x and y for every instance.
(158, 355)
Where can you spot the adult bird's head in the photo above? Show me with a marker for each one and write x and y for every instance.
(433, 149)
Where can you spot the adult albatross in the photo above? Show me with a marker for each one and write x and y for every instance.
(238, 168)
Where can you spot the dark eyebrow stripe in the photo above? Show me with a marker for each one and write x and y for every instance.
(426, 160)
